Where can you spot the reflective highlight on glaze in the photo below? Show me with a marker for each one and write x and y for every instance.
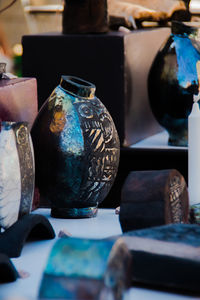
(76, 149)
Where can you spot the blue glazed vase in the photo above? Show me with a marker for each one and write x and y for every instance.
(173, 81)
(76, 150)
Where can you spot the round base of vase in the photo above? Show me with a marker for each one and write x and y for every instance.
(178, 140)
(74, 213)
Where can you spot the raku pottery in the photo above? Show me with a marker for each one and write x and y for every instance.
(87, 269)
(76, 150)
(174, 79)
(16, 172)
(153, 198)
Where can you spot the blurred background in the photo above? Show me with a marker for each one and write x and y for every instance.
(25, 17)
(22, 17)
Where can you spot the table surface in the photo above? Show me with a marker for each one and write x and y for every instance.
(34, 257)
(157, 141)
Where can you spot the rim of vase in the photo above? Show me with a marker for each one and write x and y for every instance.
(77, 86)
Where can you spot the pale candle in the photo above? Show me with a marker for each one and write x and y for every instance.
(194, 153)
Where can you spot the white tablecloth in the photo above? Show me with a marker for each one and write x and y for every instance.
(34, 257)
(157, 141)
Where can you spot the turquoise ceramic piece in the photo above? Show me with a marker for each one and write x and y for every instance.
(76, 150)
(86, 269)
(174, 80)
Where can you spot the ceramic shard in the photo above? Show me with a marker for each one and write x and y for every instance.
(86, 269)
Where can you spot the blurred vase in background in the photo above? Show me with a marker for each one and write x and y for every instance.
(174, 79)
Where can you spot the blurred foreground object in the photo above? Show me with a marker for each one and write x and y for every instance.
(166, 256)
(87, 269)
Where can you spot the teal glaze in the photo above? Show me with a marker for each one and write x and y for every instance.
(87, 269)
(76, 257)
(187, 58)
(76, 150)
(73, 260)
(173, 81)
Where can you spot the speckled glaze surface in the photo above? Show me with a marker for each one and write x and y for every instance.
(87, 269)
(17, 172)
(173, 80)
(76, 150)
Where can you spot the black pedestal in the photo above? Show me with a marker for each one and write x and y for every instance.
(117, 63)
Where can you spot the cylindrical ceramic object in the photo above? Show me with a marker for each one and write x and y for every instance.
(16, 172)
(76, 150)
(85, 16)
(174, 79)
(153, 198)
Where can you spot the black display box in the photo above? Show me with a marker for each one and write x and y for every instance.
(117, 63)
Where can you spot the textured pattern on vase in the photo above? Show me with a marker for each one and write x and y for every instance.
(16, 172)
(77, 151)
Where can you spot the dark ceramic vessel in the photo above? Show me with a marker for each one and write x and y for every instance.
(173, 80)
(76, 150)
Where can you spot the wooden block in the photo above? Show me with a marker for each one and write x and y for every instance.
(153, 198)
(86, 269)
(166, 256)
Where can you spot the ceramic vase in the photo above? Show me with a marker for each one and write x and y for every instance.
(174, 80)
(17, 172)
(76, 150)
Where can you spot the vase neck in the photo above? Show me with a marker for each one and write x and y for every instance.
(185, 30)
(78, 87)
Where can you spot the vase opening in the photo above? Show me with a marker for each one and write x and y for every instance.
(77, 87)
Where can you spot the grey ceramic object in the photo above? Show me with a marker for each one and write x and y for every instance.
(16, 172)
